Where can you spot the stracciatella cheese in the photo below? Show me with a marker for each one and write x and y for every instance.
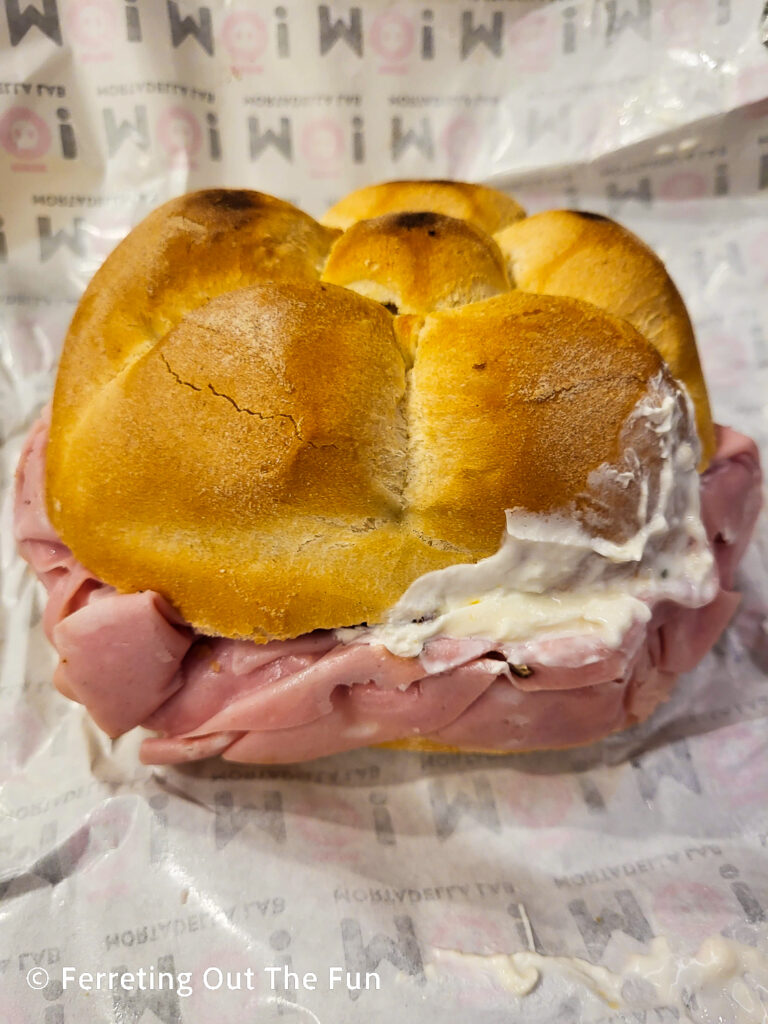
(727, 978)
(550, 578)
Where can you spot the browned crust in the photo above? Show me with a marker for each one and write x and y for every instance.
(514, 402)
(417, 262)
(585, 256)
(484, 207)
(185, 252)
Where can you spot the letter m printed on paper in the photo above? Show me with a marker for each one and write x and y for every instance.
(448, 812)
(201, 30)
(671, 762)
(331, 31)
(230, 820)
(597, 931)
(51, 241)
(473, 35)
(624, 14)
(404, 952)
(129, 1006)
(21, 21)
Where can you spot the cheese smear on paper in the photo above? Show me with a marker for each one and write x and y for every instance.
(728, 979)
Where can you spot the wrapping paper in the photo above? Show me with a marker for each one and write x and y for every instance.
(245, 880)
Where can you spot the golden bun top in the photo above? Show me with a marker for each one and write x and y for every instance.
(483, 207)
(279, 425)
(418, 262)
(587, 256)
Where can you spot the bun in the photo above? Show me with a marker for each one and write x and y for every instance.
(418, 262)
(485, 208)
(586, 256)
(184, 253)
(236, 427)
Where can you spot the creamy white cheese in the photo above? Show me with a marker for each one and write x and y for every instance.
(551, 579)
(728, 979)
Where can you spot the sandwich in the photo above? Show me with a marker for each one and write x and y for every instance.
(427, 473)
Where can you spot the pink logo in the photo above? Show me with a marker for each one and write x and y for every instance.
(532, 39)
(460, 140)
(244, 37)
(104, 229)
(727, 357)
(539, 197)
(589, 125)
(32, 342)
(692, 910)
(538, 800)
(20, 737)
(392, 37)
(687, 188)
(683, 185)
(470, 984)
(468, 931)
(180, 135)
(757, 249)
(93, 25)
(322, 144)
(26, 136)
(751, 88)
(106, 877)
(683, 20)
(330, 830)
(735, 758)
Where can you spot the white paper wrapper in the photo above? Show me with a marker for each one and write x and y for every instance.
(652, 111)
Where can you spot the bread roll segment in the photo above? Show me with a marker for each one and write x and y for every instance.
(250, 466)
(185, 252)
(514, 401)
(417, 262)
(484, 207)
(587, 256)
(275, 454)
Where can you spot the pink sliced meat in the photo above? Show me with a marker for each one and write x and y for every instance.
(31, 522)
(731, 496)
(686, 633)
(208, 689)
(123, 637)
(178, 749)
(304, 696)
(563, 663)
(359, 715)
(244, 658)
(131, 659)
(505, 718)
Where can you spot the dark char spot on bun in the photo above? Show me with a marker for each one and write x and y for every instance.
(436, 181)
(421, 219)
(234, 198)
(589, 216)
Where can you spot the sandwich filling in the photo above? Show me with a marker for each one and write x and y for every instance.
(558, 639)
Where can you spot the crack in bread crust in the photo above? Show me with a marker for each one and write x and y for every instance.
(233, 403)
